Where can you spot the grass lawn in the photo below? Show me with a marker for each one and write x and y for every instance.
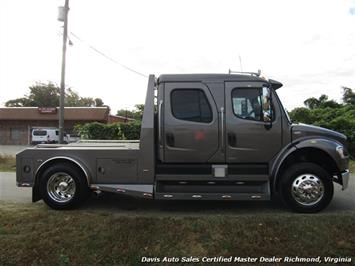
(7, 163)
(32, 234)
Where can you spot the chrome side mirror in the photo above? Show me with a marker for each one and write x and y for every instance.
(266, 102)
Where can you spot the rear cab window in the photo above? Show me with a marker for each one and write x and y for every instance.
(191, 105)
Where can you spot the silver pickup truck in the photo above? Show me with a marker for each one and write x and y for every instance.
(203, 137)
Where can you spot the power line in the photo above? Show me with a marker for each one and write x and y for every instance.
(107, 57)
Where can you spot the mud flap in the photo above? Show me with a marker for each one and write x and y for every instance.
(36, 195)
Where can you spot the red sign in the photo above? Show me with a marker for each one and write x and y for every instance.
(47, 110)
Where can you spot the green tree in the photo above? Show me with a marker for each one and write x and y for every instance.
(41, 94)
(302, 114)
(99, 102)
(115, 131)
(312, 103)
(47, 95)
(139, 109)
(330, 114)
(348, 96)
(125, 113)
(136, 114)
(321, 102)
(331, 104)
(19, 102)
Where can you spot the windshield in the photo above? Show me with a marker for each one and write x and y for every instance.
(283, 109)
(39, 133)
(287, 115)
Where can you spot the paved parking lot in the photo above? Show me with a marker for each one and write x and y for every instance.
(343, 201)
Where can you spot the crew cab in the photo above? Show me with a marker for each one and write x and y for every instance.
(203, 137)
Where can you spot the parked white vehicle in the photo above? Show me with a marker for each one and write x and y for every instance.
(45, 135)
(70, 138)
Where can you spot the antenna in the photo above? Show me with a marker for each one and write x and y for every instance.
(257, 74)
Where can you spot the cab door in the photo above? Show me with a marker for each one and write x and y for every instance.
(248, 138)
(190, 123)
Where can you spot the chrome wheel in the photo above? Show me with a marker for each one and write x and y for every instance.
(61, 187)
(307, 189)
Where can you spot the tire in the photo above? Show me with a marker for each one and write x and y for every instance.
(63, 186)
(306, 187)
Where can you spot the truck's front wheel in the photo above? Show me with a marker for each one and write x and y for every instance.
(306, 187)
(62, 186)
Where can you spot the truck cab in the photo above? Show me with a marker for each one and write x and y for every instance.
(203, 137)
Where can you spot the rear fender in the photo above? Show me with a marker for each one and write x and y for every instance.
(35, 190)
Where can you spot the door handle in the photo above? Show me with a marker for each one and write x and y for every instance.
(232, 139)
(160, 123)
(222, 129)
(170, 140)
(101, 170)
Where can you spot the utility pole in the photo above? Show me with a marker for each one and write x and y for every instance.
(62, 78)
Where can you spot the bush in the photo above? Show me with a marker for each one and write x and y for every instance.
(131, 130)
(116, 131)
(340, 118)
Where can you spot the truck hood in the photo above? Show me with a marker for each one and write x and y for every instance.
(303, 130)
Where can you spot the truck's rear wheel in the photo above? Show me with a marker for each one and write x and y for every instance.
(306, 187)
(62, 186)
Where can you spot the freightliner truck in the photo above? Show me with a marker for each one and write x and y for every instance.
(203, 137)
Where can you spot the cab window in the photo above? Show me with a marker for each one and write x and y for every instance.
(191, 105)
(246, 103)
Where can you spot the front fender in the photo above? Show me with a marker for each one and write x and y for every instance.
(328, 146)
(325, 145)
(281, 157)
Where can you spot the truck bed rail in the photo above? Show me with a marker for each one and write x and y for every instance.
(106, 141)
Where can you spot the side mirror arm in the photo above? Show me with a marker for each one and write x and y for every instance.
(267, 106)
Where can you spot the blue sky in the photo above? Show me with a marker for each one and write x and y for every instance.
(352, 9)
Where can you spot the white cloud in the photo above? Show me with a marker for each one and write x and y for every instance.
(307, 45)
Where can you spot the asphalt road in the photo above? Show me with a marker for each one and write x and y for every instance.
(343, 201)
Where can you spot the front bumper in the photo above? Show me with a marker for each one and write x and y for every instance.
(344, 176)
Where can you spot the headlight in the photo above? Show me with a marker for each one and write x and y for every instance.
(342, 152)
